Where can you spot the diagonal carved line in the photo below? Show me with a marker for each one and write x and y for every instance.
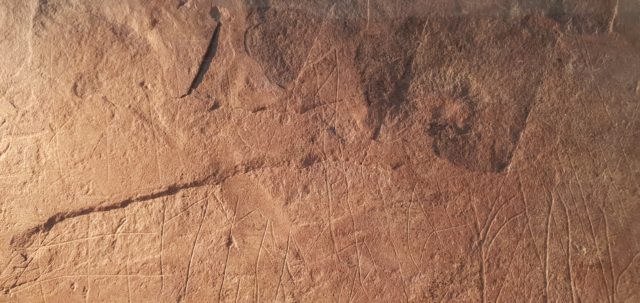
(205, 63)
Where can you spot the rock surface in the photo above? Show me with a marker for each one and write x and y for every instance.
(319, 151)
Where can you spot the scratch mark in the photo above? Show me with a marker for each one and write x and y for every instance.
(526, 213)
(284, 263)
(390, 238)
(368, 12)
(513, 256)
(4, 150)
(164, 215)
(230, 244)
(614, 16)
(264, 234)
(500, 229)
(592, 228)
(570, 244)
(238, 290)
(128, 278)
(612, 269)
(627, 268)
(193, 249)
(548, 240)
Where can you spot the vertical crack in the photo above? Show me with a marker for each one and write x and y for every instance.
(205, 63)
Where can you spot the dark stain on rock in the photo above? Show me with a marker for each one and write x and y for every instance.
(280, 40)
(478, 96)
(385, 63)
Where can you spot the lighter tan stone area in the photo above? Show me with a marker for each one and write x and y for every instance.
(319, 151)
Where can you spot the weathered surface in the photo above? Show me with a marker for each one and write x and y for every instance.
(319, 151)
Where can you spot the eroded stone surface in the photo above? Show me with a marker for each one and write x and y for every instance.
(315, 151)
